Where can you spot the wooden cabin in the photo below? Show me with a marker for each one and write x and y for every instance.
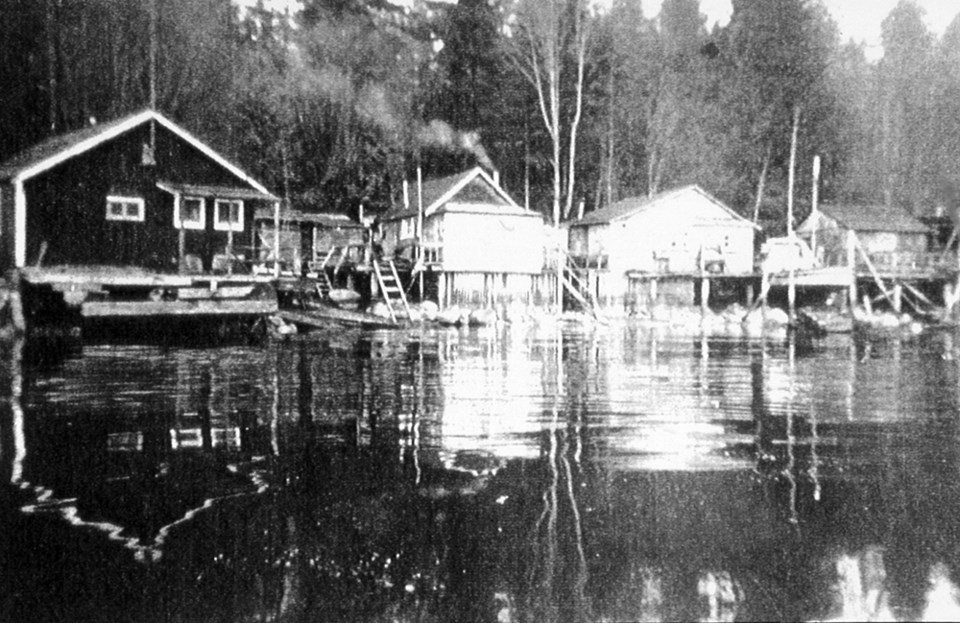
(309, 240)
(472, 237)
(644, 250)
(894, 241)
(138, 201)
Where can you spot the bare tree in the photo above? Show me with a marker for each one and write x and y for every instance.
(548, 31)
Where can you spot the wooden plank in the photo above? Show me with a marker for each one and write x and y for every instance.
(226, 292)
(323, 317)
(876, 276)
(92, 277)
(128, 309)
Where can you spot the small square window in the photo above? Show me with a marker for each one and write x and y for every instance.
(191, 213)
(124, 208)
(228, 215)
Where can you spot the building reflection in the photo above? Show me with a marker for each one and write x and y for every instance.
(604, 474)
(122, 454)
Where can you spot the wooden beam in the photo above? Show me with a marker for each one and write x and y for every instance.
(873, 272)
(128, 309)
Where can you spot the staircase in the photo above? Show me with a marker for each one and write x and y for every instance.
(391, 289)
(574, 283)
(323, 284)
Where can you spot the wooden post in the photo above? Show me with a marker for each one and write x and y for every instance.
(704, 296)
(813, 205)
(230, 249)
(764, 290)
(418, 259)
(791, 281)
(653, 291)
(852, 266)
(276, 239)
(181, 234)
(442, 290)
(897, 297)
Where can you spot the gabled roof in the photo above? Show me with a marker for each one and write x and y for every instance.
(57, 149)
(632, 206)
(877, 218)
(437, 192)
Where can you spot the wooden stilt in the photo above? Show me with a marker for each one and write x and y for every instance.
(704, 296)
(852, 266)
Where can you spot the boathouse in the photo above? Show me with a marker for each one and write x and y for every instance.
(884, 251)
(474, 242)
(641, 251)
(138, 204)
(891, 238)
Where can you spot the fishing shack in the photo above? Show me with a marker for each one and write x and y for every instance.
(133, 217)
(881, 250)
(473, 243)
(311, 241)
(643, 251)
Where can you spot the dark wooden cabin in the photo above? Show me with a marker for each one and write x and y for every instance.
(136, 192)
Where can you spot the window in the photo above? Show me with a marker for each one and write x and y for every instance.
(228, 215)
(124, 208)
(407, 228)
(191, 213)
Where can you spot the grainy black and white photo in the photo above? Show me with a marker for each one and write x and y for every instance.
(479, 311)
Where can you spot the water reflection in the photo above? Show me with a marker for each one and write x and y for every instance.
(559, 474)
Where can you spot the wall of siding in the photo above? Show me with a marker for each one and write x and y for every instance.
(66, 206)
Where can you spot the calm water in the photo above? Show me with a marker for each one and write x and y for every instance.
(562, 474)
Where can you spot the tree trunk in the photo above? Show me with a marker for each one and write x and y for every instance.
(581, 42)
(762, 182)
(50, 27)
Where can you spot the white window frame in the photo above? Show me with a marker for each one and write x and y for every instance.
(230, 225)
(191, 224)
(125, 201)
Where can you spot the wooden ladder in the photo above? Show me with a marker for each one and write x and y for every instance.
(323, 284)
(390, 288)
(574, 284)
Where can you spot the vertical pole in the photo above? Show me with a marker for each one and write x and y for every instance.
(181, 234)
(791, 282)
(51, 20)
(704, 296)
(897, 297)
(276, 239)
(852, 267)
(230, 249)
(764, 292)
(704, 287)
(813, 205)
(418, 263)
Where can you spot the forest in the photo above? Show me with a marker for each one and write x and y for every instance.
(333, 103)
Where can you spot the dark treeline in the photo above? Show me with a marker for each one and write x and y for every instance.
(334, 104)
